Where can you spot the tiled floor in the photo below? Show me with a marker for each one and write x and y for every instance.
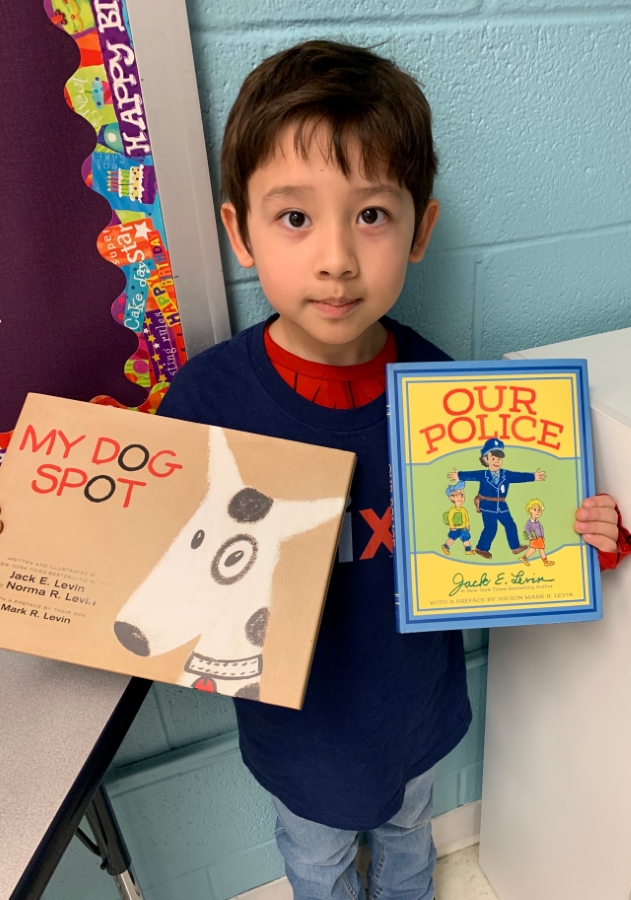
(459, 877)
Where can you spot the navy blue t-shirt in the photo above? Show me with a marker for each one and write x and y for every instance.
(380, 707)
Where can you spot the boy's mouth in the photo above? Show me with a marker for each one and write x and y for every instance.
(335, 307)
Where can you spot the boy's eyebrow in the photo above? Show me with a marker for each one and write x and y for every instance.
(286, 191)
(289, 191)
(387, 190)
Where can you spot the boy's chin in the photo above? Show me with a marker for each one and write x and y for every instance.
(343, 329)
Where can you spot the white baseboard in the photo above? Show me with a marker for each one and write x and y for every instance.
(274, 890)
(457, 829)
(452, 831)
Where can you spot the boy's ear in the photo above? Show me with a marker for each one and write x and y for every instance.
(424, 230)
(241, 251)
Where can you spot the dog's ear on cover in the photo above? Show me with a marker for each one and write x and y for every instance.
(295, 516)
(223, 472)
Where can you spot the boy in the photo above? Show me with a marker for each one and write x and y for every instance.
(458, 520)
(328, 164)
(533, 529)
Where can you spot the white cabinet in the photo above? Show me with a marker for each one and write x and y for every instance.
(556, 803)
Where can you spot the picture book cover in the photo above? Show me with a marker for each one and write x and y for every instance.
(489, 462)
(173, 551)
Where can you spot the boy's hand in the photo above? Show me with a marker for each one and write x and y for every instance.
(597, 522)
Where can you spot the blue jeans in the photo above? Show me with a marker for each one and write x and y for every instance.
(320, 861)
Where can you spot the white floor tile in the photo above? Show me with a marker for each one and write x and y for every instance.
(459, 877)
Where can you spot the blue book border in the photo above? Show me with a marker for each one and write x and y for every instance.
(406, 622)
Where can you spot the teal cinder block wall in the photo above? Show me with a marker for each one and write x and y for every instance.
(532, 112)
(197, 825)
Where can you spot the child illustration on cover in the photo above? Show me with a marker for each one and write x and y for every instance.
(458, 520)
(491, 499)
(533, 531)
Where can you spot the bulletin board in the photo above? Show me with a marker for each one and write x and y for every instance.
(113, 275)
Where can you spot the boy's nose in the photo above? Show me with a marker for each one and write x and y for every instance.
(337, 257)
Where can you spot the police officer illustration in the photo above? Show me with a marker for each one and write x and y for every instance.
(494, 482)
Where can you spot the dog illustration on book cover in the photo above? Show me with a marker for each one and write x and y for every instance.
(215, 580)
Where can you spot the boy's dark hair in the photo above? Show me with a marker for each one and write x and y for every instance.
(355, 93)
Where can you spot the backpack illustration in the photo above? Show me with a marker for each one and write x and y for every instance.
(458, 519)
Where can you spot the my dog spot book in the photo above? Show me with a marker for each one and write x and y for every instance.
(169, 550)
(489, 462)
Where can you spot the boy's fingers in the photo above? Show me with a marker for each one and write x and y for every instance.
(597, 514)
(602, 529)
(601, 543)
(601, 500)
(597, 522)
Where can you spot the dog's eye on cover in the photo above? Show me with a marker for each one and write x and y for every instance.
(234, 558)
(249, 505)
(198, 539)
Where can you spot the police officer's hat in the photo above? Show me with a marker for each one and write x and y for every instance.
(460, 486)
(494, 446)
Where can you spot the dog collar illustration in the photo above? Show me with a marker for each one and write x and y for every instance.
(224, 668)
(215, 579)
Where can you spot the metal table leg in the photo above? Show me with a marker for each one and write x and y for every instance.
(110, 846)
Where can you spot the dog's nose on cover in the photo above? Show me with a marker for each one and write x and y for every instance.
(132, 638)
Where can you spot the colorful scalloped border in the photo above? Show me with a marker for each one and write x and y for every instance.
(106, 91)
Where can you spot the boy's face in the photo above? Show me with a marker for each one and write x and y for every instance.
(331, 252)
(458, 497)
(535, 512)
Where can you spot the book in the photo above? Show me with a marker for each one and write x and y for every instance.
(489, 462)
(169, 550)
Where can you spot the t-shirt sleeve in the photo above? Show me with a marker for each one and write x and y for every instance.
(190, 395)
(412, 346)
(176, 401)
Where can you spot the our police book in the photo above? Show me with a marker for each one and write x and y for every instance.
(174, 551)
(489, 462)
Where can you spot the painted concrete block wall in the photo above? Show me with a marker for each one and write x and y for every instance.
(531, 109)
(197, 825)
(532, 112)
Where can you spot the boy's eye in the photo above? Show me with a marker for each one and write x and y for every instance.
(372, 216)
(296, 219)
